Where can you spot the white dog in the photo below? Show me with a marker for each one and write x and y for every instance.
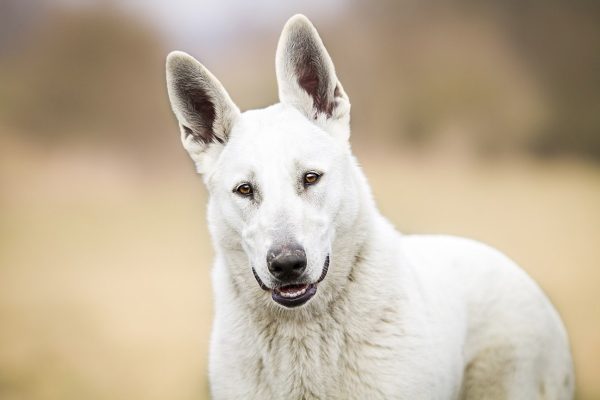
(316, 295)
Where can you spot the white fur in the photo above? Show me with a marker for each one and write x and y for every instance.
(397, 317)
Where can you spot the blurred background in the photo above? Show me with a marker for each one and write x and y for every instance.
(475, 118)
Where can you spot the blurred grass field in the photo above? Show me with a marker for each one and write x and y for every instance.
(104, 263)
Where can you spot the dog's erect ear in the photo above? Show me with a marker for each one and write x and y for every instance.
(306, 77)
(203, 108)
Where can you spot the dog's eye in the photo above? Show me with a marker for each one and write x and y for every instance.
(245, 189)
(310, 178)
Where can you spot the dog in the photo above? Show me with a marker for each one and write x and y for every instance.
(317, 296)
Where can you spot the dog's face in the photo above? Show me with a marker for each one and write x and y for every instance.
(277, 177)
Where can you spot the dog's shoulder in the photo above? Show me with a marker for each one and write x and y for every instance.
(453, 253)
(468, 271)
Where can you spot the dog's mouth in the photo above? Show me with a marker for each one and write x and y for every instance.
(294, 295)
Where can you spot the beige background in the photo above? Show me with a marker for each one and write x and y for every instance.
(468, 120)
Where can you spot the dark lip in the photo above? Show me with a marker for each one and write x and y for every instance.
(325, 269)
(296, 301)
(260, 282)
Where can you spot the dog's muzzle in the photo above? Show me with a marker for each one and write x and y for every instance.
(293, 294)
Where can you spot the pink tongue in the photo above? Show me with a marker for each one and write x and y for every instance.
(291, 288)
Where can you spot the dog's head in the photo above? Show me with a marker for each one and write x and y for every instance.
(277, 177)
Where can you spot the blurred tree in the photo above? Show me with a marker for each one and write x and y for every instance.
(517, 74)
(17, 17)
(561, 41)
(86, 74)
(492, 75)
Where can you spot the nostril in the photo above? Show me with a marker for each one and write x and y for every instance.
(286, 265)
(298, 265)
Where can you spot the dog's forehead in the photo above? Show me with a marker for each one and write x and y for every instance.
(277, 133)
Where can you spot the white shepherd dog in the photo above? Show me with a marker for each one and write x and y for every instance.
(317, 296)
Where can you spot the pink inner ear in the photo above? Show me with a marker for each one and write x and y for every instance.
(309, 83)
(308, 79)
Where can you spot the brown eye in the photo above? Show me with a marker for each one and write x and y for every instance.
(245, 189)
(310, 178)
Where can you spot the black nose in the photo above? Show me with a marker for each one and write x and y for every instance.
(286, 262)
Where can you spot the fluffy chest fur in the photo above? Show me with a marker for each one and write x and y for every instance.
(323, 358)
